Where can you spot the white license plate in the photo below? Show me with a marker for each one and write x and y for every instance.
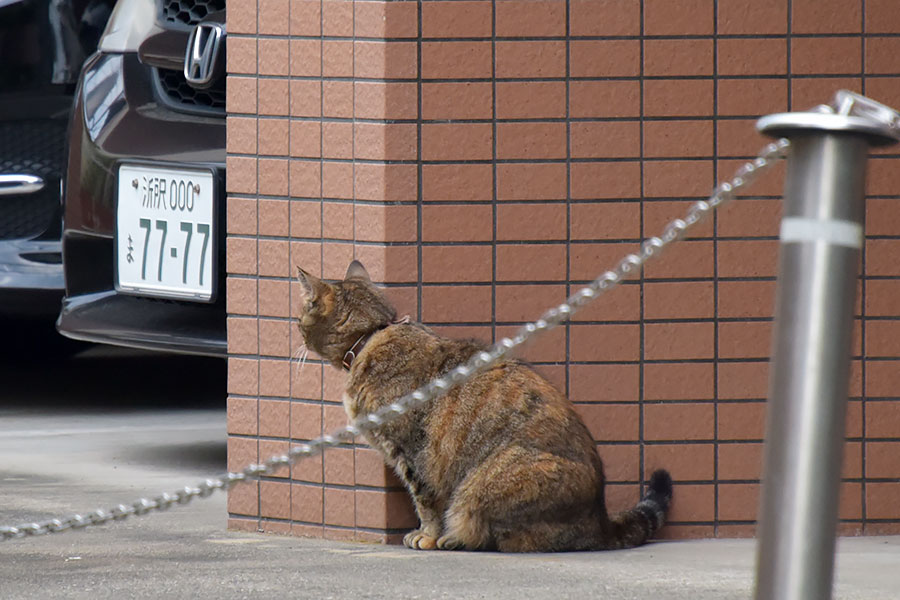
(165, 237)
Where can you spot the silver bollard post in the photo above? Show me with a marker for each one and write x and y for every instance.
(821, 236)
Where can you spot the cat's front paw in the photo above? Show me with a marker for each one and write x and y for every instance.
(417, 540)
(447, 542)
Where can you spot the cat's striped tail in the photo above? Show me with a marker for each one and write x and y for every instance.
(634, 527)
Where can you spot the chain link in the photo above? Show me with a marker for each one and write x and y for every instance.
(628, 266)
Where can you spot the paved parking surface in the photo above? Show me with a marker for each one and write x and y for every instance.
(109, 427)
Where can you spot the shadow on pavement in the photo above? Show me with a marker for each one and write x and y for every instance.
(103, 378)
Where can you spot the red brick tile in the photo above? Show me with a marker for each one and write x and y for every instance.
(240, 94)
(242, 336)
(306, 58)
(454, 223)
(678, 17)
(825, 55)
(605, 221)
(678, 139)
(244, 500)
(457, 182)
(274, 17)
(241, 255)
(745, 339)
(242, 18)
(678, 381)
(750, 217)
(753, 56)
(678, 97)
(882, 419)
(385, 100)
(620, 462)
(339, 507)
(604, 383)
(388, 141)
(681, 300)
(741, 299)
(243, 175)
(241, 135)
(532, 19)
(695, 503)
(446, 304)
(533, 221)
(690, 258)
(306, 101)
(242, 416)
(622, 305)
(371, 470)
(532, 181)
(738, 501)
(528, 99)
(273, 258)
(241, 296)
(658, 214)
(604, 342)
(600, 99)
(307, 503)
(679, 178)
(273, 217)
(762, 17)
(530, 59)
(742, 420)
(241, 215)
(337, 18)
(242, 58)
(605, 58)
(667, 58)
(241, 452)
(337, 58)
(826, 16)
(337, 180)
(274, 56)
(456, 60)
(531, 262)
(531, 140)
(743, 381)
(605, 139)
(457, 141)
(740, 461)
(386, 19)
(675, 422)
(604, 17)
(587, 261)
(882, 500)
(273, 97)
(881, 17)
(752, 97)
(674, 341)
(384, 510)
(591, 181)
(610, 422)
(452, 100)
(275, 338)
(389, 60)
(386, 183)
(748, 258)
(456, 19)
(457, 263)
(685, 462)
(526, 302)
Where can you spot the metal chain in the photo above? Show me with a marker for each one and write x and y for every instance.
(482, 361)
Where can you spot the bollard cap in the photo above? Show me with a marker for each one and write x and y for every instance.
(848, 112)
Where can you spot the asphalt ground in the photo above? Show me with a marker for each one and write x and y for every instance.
(107, 427)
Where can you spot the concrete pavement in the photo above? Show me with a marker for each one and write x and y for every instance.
(58, 457)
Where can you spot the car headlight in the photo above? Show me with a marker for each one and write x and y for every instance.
(131, 22)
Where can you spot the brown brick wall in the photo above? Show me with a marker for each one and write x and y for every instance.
(484, 159)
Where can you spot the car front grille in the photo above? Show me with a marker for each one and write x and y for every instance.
(179, 94)
(189, 12)
(34, 148)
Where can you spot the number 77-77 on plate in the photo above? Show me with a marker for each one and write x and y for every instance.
(165, 238)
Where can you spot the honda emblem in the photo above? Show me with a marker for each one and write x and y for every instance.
(201, 60)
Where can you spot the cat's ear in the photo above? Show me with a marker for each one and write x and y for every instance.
(357, 271)
(311, 284)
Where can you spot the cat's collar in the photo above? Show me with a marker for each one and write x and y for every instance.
(357, 347)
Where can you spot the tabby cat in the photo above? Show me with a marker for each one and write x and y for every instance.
(502, 462)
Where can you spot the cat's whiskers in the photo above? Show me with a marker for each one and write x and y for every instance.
(300, 356)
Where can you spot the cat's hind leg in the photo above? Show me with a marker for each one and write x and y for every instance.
(522, 500)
